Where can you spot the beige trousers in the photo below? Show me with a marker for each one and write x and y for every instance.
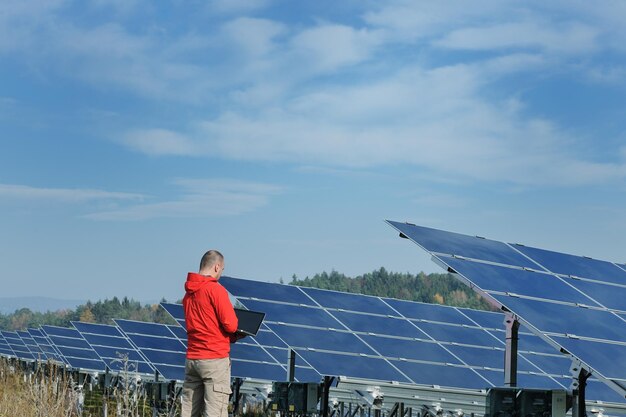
(206, 388)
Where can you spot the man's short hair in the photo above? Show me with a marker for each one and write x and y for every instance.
(211, 258)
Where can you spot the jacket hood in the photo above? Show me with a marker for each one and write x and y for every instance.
(196, 282)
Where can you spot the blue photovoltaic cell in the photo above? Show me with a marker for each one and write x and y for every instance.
(605, 356)
(457, 244)
(164, 357)
(179, 332)
(171, 372)
(477, 356)
(378, 325)
(157, 342)
(78, 353)
(458, 334)
(250, 353)
(60, 331)
(321, 339)
(485, 319)
(516, 281)
(610, 296)
(564, 319)
(174, 310)
(448, 376)
(257, 370)
(579, 266)
(268, 338)
(140, 327)
(597, 391)
(347, 301)
(265, 291)
(281, 355)
(357, 367)
(307, 316)
(102, 340)
(69, 341)
(531, 343)
(424, 311)
(550, 364)
(97, 329)
(409, 349)
(307, 375)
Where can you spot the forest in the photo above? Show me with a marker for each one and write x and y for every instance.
(428, 288)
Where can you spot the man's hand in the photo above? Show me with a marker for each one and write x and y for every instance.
(237, 336)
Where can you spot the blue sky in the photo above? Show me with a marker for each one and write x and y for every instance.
(135, 135)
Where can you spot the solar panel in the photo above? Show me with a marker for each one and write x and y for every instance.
(17, 345)
(386, 339)
(5, 348)
(74, 348)
(32, 346)
(113, 348)
(46, 346)
(572, 302)
(159, 345)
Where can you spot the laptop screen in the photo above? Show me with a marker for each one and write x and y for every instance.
(249, 321)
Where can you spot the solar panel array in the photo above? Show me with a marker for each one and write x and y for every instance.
(377, 338)
(333, 333)
(572, 302)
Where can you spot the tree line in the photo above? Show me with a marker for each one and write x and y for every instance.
(102, 312)
(427, 288)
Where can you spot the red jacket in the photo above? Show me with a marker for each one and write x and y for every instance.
(210, 318)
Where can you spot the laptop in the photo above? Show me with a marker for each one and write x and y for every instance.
(249, 321)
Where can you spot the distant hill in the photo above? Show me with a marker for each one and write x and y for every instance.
(37, 304)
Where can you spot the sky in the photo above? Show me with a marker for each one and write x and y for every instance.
(135, 135)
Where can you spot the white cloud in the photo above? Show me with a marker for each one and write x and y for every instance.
(431, 119)
(200, 198)
(237, 6)
(78, 195)
(159, 142)
(536, 34)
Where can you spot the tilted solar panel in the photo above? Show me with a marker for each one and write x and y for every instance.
(383, 339)
(74, 348)
(113, 348)
(5, 348)
(572, 302)
(46, 346)
(17, 345)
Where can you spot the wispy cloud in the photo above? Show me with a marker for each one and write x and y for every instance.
(199, 198)
(77, 195)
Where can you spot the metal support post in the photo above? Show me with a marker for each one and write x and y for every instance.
(291, 362)
(236, 396)
(324, 410)
(580, 375)
(510, 354)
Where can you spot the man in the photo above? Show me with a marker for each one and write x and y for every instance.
(211, 326)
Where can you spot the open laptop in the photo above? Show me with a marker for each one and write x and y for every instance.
(249, 321)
